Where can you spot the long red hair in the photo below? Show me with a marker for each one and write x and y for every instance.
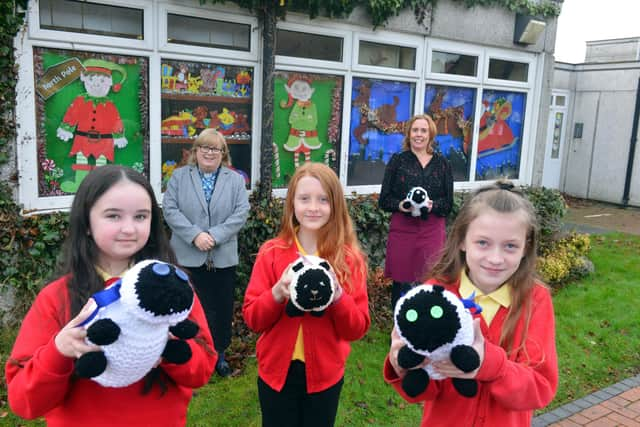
(337, 239)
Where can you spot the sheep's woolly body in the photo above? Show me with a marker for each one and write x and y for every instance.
(143, 334)
(463, 335)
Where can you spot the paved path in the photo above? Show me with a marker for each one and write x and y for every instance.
(619, 404)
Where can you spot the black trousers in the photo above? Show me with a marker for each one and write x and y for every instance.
(293, 406)
(215, 289)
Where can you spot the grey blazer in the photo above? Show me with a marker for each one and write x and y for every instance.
(187, 213)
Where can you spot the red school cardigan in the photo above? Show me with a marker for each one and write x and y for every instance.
(510, 387)
(326, 338)
(40, 380)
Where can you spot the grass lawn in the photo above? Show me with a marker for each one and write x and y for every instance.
(597, 336)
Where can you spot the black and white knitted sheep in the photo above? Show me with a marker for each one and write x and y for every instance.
(434, 323)
(132, 324)
(416, 202)
(312, 286)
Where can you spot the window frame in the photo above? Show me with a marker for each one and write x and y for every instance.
(454, 48)
(521, 57)
(38, 33)
(282, 61)
(179, 48)
(392, 39)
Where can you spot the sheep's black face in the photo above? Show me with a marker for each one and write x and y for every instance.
(418, 196)
(313, 289)
(163, 289)
(428, 320)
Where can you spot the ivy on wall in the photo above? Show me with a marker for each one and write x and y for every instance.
(381, 10)
(11, 18)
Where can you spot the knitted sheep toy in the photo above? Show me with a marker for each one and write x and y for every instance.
(133, 321)
(435, 323)
(416, 201)
(312, 287)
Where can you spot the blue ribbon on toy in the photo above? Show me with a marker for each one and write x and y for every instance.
(470, 303)
(104, 298)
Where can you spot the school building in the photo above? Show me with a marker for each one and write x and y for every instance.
(595, 153)
(133, 82)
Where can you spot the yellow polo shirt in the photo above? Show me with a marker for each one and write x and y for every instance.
(490, 303)
(298, 349)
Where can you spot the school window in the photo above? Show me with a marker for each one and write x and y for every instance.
(454, 63)
(508, 70)
(200, 95)
(452, 110)
(208, 32)
(379, 109)
(386, 55)
(307, 45)
(91, 18)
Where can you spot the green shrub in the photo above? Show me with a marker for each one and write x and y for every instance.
(550, 208)
(31, 244)
(565, 259)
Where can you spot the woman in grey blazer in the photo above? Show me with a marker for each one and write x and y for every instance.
(206, 205)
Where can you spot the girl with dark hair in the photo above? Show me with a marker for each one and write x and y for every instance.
(490, 256)
(115, 222)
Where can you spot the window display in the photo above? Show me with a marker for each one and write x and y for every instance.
(306, 122)
(379, 109)
(196, 96)
(500, 139)
(91, 110)
(452, 111)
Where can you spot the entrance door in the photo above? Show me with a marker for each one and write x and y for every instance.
(556, 131)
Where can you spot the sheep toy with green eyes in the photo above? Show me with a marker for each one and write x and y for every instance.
(435, 323)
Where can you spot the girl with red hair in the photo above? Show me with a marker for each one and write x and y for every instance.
(301, 359)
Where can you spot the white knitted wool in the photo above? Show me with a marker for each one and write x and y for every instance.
(415, 206)
(143, 335)
(463, 337)
(311, 263)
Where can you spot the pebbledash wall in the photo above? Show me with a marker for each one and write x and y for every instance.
(166, 70)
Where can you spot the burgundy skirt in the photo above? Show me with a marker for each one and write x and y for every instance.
(413, 247)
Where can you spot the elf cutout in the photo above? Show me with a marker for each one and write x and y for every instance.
(303, 135)
(93, 121)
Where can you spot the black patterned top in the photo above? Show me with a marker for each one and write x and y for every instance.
(404, 171)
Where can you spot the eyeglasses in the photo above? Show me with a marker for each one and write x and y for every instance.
(209, 149)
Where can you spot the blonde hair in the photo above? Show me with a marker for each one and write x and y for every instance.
(433, 131)
(210, 136)
(503, 197)
(336, 239)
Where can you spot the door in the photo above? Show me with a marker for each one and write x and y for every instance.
(554, 148)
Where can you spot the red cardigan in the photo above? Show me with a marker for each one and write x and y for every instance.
(510, 387)
(326, 338)
(42, 382)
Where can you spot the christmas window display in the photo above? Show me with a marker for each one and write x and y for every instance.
(196, 96)
(379, 111)
(451, 108)
(91, 110)
(306, 122)
(500, 135)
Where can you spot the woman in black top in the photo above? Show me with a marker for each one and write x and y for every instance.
(414, 243)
